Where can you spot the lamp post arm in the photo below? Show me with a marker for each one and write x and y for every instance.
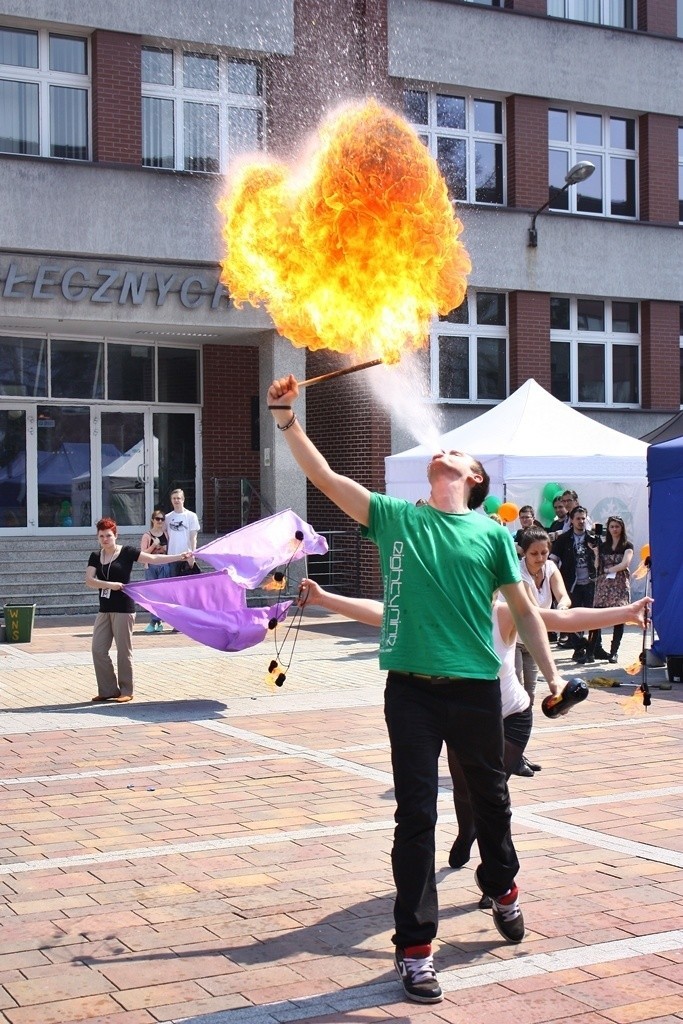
(533, 236)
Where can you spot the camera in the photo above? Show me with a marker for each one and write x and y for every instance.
(598, 529)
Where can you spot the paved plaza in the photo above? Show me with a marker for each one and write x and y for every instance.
(218, 852)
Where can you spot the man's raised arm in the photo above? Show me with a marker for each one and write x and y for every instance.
(351, 497)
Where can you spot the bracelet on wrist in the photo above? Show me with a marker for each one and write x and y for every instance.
(288, 424)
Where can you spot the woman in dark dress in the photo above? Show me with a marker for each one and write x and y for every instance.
(108, 571)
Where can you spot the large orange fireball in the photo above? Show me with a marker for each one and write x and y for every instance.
(356, 251)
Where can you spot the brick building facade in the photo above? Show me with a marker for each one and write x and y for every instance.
(116, 337)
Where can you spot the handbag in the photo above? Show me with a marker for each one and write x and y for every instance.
(188, 570)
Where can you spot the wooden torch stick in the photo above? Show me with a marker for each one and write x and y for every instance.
(338, 373)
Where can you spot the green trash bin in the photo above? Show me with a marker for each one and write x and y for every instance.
(19, 623)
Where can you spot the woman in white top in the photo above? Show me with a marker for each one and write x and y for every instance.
(515, 701)
(547, 585)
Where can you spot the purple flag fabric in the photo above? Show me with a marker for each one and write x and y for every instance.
(212, 607)
(249, 554)
(209, 607)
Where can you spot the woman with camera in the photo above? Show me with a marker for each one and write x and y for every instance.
(155, 542)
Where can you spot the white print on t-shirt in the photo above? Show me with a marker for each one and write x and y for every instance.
(393, 614)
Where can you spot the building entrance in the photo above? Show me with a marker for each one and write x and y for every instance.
(63, 467)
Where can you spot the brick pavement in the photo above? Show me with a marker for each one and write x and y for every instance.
(217, 852)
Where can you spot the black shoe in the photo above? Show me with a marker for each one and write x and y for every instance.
(534, 767)
(507, 914)
(418, 977)
(602, 654)
(458, 856)
(565, 644)
(589, 659)
(612, 659)
(581, 657)
(524, 769)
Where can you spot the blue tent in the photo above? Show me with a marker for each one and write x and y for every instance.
(665, 476)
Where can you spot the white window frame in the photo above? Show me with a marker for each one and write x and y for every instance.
(566, 10)
(431, 132)
(472, 331)
(577, 151)
(608, 338)
(44, 77)
(47, 338)
(680, 174)
(221, 98)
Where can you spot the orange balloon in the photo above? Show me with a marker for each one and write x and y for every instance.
(508, 512)
(644, 552)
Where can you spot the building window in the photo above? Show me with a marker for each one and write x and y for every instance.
(617, 13)
(680, 174)
(469, 350)
(465, 136)
(44, 94)
(594, 351)
(199, 110)
(114, 371)
(609, 142)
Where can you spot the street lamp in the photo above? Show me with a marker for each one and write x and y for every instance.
(579, 172)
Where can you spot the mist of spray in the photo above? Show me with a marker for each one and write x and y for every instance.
(403, 388)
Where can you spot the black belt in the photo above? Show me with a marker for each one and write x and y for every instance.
(426, 679)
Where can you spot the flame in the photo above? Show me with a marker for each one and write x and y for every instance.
(642, 570)
(634, 668)
(357, 251)
(275, 676)
(635, 704)
(272, 583)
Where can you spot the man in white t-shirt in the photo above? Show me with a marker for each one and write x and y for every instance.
(182, 527)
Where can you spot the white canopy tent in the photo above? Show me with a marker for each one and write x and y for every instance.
(532, 439)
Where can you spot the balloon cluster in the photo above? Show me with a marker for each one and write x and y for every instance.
(507, 510)
(546, 510)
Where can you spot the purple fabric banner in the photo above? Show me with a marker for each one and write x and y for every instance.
(209, 607)
(251, 553)
(212, 607)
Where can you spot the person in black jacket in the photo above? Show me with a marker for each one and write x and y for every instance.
(574, 553)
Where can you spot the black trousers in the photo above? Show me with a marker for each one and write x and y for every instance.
(517, 729)
(582, 597)
(421, 716)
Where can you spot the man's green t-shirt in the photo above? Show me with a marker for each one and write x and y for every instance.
(440, 571)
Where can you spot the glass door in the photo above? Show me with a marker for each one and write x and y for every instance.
(63, 467)
(15, 424)
(125, 466)
(144, 455)
(176, 447)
